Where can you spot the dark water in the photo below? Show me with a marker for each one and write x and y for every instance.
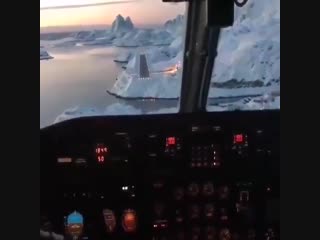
(73, 78)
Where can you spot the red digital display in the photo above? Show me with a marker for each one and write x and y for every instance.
(171, 141)
(101, 159)
(101, 150)
(101, 153)
(238, 138)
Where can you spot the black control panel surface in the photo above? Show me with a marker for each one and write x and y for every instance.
(201, 176)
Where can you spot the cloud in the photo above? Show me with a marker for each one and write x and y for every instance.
(86, 5)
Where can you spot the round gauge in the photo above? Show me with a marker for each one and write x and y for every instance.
(224, 192)
(225, 234)
(159, 209)
(109, 220)
(193, 189)
(195, 233)
(209, 210)
(208, 189)
(194, 211)
(178, 193)
(210, 233)
(129, 220)
(180, 235)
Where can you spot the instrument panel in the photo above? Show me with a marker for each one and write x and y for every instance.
(201, 176)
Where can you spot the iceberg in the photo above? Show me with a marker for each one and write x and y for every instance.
(44, 55)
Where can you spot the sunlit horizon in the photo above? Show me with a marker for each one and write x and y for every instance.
(142, 12)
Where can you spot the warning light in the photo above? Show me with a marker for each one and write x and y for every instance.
(129, 221)
(171, 141)
(238, 138)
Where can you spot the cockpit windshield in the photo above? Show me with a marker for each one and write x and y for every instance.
(124, 57)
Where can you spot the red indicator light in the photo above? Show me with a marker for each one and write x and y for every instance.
(171, 141)
(238, 138)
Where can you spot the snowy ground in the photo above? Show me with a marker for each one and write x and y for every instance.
(265, 102)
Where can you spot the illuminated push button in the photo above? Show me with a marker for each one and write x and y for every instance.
(129, 221)
(109, 220)
(75, 225)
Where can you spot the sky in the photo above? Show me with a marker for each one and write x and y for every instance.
(103, 12)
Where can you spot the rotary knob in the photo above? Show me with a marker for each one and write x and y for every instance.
(194, 211)
(178, 193)
(208, 189)
(193, 189)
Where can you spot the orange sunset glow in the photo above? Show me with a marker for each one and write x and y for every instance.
(142, 12)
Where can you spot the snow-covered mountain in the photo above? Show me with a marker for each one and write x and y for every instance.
(122, 34)
(250, 49)
(120, 24)
(176, 26)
